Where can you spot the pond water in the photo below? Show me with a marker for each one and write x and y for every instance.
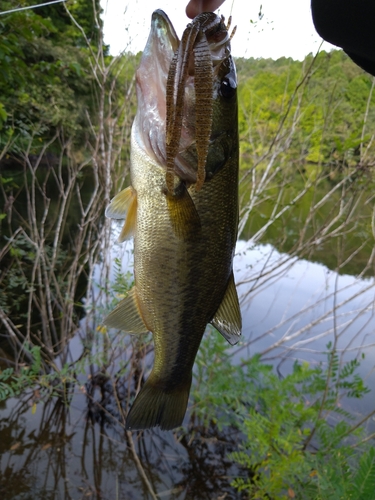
(291, 309)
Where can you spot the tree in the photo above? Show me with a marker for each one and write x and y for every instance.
(45, 76)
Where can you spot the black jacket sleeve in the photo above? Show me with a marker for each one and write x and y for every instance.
(350, 24)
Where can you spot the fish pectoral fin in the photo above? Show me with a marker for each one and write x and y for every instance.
(126, 316)
(119, 206)
(227, 319)
(183, 213)
(124, 206)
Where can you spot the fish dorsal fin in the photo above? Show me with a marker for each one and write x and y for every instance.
(127, 316)
(227, 319)
(124, 206)
(183, 213)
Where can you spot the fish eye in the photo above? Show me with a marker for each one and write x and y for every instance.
(228, 87)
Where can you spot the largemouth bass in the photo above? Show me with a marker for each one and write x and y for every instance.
(181, 207)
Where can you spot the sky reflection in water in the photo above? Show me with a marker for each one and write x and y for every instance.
(291, 309)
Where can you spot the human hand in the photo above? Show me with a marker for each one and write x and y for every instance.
(196, 7)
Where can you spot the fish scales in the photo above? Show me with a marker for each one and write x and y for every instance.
(191, 276)
(183, 248)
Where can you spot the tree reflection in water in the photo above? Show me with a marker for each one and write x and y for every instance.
(79, 449)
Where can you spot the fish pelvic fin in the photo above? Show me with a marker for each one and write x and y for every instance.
(227, 319)
(124, 206)
(183, 214)
(157, 406)
(127, 315)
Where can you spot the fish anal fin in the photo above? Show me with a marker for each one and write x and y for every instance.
(154, 406)
(183, 213)
(127, 316)
(227, 319)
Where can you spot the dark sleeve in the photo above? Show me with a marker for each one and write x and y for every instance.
(349, 24)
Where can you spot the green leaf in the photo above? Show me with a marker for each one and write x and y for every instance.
(364, 480)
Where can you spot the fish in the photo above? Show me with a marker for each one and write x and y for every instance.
(181, 208)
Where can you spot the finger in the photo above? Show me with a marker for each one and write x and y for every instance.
(196, 7)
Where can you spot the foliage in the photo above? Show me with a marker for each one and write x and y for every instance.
(307, 157)
(297, 440)
(12, 383)
(330, 124)
(46, 81)
(66, 110)
(122, 283)
(65, 114)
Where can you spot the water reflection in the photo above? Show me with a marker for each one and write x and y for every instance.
(77, 447)
(299, 306)
(59, 452)
(293, 308)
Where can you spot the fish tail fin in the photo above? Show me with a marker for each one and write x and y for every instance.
(155, 406)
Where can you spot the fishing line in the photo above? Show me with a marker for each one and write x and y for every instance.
(31, 7)
(231, 8)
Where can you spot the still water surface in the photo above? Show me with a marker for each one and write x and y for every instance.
(291, 309)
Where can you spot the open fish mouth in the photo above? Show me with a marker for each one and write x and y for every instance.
(175, 90)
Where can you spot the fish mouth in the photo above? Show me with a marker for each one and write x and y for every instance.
(174, 84)
(151, 79)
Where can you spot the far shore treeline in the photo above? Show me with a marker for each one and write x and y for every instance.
(47, 84)
(336, 101)
(305, 127)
